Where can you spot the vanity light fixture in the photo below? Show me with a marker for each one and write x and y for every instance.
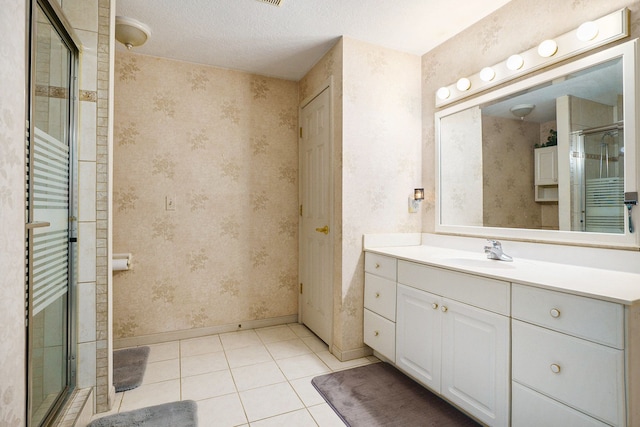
(587, 31)
(547, 48)
(515, 62)
(463, 84)
(487, 74)
(443, 93)
(589, 35)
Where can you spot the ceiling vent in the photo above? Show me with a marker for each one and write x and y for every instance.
(273, 2)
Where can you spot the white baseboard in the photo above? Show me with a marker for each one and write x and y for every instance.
(201, 332)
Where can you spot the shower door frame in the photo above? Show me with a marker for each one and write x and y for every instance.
(63, 28)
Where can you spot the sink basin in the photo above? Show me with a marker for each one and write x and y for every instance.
(480, 263)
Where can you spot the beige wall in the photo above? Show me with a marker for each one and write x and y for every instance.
(376, 163)
(12, 163)
(508, 173)
(516, 27)
(223, 144)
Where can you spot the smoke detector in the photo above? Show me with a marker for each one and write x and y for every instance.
(273, 2)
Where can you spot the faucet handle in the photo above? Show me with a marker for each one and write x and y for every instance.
(494, 243)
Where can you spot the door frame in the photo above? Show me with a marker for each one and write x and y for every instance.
(326, 85)
(59, 22)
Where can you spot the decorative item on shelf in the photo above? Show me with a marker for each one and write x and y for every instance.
(552, 140)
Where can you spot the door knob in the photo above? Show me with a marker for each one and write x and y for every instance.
(324, 229)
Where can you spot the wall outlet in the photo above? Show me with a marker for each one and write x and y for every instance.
(170, 203)
(414, 205)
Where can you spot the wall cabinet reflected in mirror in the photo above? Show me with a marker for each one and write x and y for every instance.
(544, 158)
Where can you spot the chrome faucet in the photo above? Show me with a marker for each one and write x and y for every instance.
(494, 251)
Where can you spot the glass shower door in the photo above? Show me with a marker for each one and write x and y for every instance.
(49, 234)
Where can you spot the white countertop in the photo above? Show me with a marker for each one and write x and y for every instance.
(608, 285)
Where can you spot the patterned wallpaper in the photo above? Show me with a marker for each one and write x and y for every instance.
(508, 173)
(223, 145)
(376, 159)
(12, 108)
(516, 27)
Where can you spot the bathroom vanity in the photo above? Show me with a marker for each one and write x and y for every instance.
(522, 343)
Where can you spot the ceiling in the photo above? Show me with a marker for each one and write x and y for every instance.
(286, 41)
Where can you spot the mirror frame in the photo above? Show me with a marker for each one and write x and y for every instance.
(628, 51)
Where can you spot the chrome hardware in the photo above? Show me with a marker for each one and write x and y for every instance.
(554, 312)
(376, 333)
(377, 294)
(494, 251)
(36, 224)
(434, 305)
(324, 229)
(555, 368)
(444, 309)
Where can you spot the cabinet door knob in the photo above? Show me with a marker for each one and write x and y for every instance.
(554, 312)
(444, 309)
(376, 333)
(434, 305)
(555, 368)
(377, 265)
(377, 294)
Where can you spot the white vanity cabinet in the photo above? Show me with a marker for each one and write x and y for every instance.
(568, 359)
(452, 335)
(380, 304)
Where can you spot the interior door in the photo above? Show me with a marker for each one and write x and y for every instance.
(316, 233)
(49, 233)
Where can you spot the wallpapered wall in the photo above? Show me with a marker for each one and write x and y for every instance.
(223, 144)
(12, 336)
(376, 162)
(516, 27)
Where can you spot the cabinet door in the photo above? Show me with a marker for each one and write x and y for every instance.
(546, 160)
(475, 361)
(418, 335)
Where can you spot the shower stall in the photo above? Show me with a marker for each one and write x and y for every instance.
(597, 179)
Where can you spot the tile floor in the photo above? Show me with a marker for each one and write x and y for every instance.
(256, 378)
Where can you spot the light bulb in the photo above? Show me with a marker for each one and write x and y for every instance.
(443, 93)
(463, 84)
(515, 62)
(547, 48)
(587, 31)
(487, 74)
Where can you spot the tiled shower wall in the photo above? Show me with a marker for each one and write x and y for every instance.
(92, 21)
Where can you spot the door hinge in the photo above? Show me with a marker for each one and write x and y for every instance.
(300, 287)
(300, 210)
(300, 132)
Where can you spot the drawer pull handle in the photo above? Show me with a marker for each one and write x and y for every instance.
(377, 265)
(444, 308)
(376, 333)
(434, 305)
(555, 368)
(377, 294)
(555, 313)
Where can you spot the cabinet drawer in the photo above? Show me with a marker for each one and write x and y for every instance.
(592, 319)
(380, 296)
(587, 376)
(380, 334)
(489, 294)
(380, 265)
(532, 409)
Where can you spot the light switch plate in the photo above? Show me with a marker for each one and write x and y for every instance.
(170, 203)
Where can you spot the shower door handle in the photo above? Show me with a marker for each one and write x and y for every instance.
(36, 224)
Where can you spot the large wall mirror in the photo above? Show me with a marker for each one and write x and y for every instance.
(547, 158)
